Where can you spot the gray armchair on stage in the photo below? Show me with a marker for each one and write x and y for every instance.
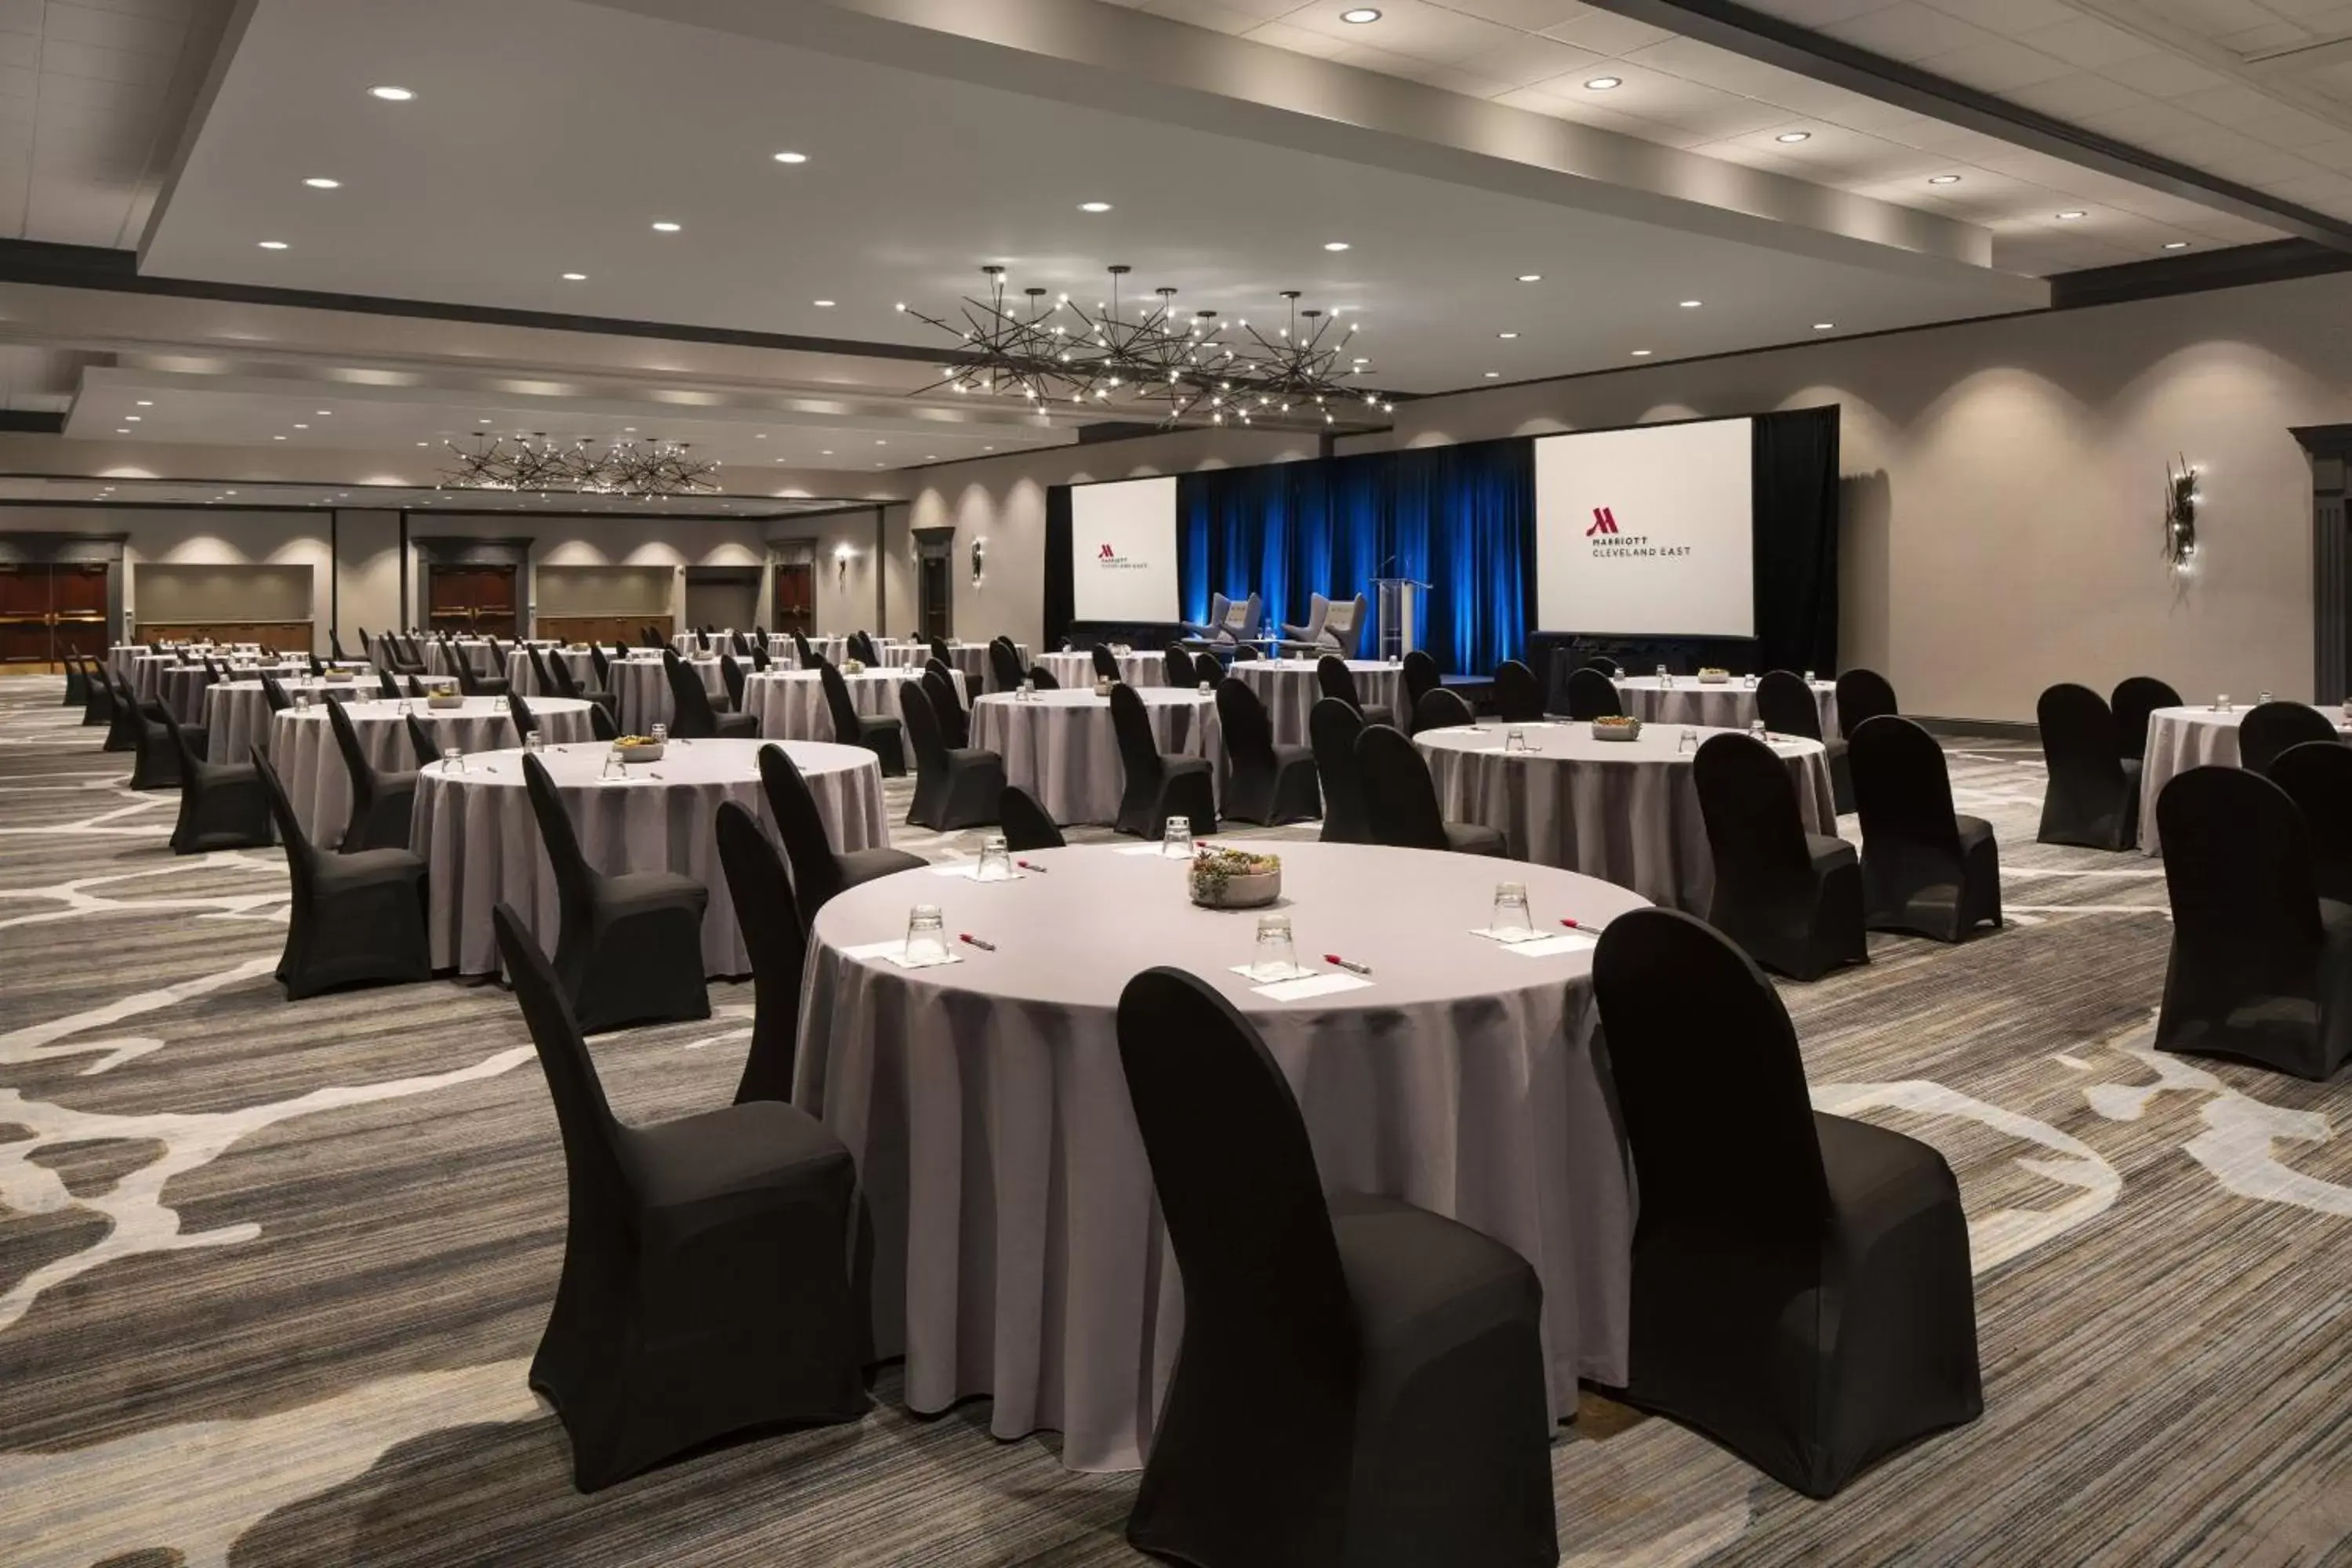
(1230, 621)
(1332, 627)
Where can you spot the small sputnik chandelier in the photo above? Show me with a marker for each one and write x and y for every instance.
(538, 463)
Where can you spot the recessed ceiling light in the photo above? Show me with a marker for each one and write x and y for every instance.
(322, 183)
(146, 402)
(988, 448)
(1794, 136)
(1943, 179)
(665, 227)
(278, 438)
(1530, 277)
(302, 426)
(481, 422)
(821, 304)
(1640, 353)
(425, 443)
(1604, 83)
(2176, 245)
(1094, 206)
(271, 244)
(1359, 15)
(1507, 336)
(930, 456)
(826, 453)
(2070, 214)
(323, 413)
(792, 157)
(391, 94)
(132, 418)
(575, 277)
(1692, 304)
(125, 430)
(760, 435)
(879, 442)
(1335, 245)
(1824, 326)
(1494, 375)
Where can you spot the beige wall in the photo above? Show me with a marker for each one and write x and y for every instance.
(571, 590)
(2004, 479)
(846, 596)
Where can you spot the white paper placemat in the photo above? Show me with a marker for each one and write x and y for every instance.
(894, 950)
(969, 872)
(1552, 946)
(1313, 986)
(1510, 939)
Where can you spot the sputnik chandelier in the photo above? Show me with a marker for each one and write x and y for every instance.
(538, 463)
(1059, 356)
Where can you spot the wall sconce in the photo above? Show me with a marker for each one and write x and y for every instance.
(2181, 499)
(979, 560)
(843, 555)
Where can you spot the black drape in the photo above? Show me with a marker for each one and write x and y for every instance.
(1061, 588)
(1796, 531)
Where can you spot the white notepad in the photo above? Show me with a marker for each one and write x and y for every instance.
(968, 871)
(1313, 986)
(894, 951)
(1552, 946)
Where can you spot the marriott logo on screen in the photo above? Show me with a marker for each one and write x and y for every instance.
(1106, 554)
(1611, 544)
(1111, 560)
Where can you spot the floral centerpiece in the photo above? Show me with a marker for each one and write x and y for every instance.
(1713, 675)
(639, 748)
(853, 666)
(1234, 878)
(1617, 727)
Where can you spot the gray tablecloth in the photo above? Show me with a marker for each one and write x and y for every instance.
(1626, 812)
(1730, 705)
(1142, 667)
(1017, 1250)
(2179, 739)
(1289, 689)
(237, 712)
(642, 689)
(969, 659)
(791, 702)
(302, 747)
(119, 658)
(476, 830)
(522, 676)
(1060, 747)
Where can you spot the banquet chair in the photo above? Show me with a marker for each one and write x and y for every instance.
(1177, 668)
(381, 801)
(1160, 784)
(802, 652)
(1106, 663)
(273, 692)
(401, 657)
(1360, 1381)
(355, 919)
(819, 870)
(413, 660)
(77, 683)
(1269, 785)
(760, 660)
(1441, 710)
(1244, 653)
(600, 664)
(417, 691)
(222, 805)
(1862, 694)
(471, 681)
(760, 889)
(2135, 698)
(387, 685)
(1518, 694)
(742, 644)
(862, 648)
(525, 721)
(628, 947)
(566, 684)
(1801, 1292)
(543, 677)
(212, 671)
(98, 705)
(1790, 898)
(955, 723)
(1004, 666)
(155, 753)
(2261, 968)
(1041, 679)
(1401, 802)
(730, 675)
(704, 1290)
(1024, 823)
(955, 786)
(335, 647)
(2091, 798)
(1332, 727)
(1334, 679)
(317, 668)
(941, 650)
(421, 742)
(691, 716)
(1603, 663)
(1592, 695)
(879, 734)
(1784, 701)
(1419, 675)
(600, 722)
(2317, 776)
(1925, 868)
(2269, 728)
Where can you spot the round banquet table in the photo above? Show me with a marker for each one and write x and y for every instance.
(1076, 669)
(1060, 747)
(969, 660)
(476, 650)
(237, 715)
(120, 658)
(146, 673)
(302, 747)
(641, 687)
(1289, 689)
(832, 650)
(2179, 739)
(791, 702)
(180, 686)
(522, 676)
(1017, 1249)
(1728, 706)
(1625, 811)
(475, 829)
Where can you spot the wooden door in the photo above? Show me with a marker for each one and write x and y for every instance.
(77, 600)
(935, 594)
(25, 614)
(474, 601)
(796, 599)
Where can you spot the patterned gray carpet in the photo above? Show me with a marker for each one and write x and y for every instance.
(271, 1274)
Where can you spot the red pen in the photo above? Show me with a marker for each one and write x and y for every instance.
(1029, 865)
(1350, 965)
(983, 946)
(1579, 925)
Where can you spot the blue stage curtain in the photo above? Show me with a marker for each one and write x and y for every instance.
(1461, 518)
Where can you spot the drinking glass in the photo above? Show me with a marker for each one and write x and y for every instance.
(927, 934)
(1756, 728)
(1176, 838)
(1277, 957)
(532, 742)
(301, 699)
(2221, 703)
(453, 761)
(1028, 689)
(1515, 739)
(1688, 743)
(2262, 697)
(660, 734)
(1664, 678)
(1511, 920)
(612, 764)
(995, 860)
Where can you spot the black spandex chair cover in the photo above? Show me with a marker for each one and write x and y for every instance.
(704, 1289)
(566, 685)
(1331, 729)
(877, 732)
(2269, 728)
(761, 891)
(1025, 821)
(1518, 694)
(525, 721)
(691, 716)
(1925, 868)
(1861, 695)
(77, 681)
(121, 716)
(420, 742)
(599, 663)
(1791, 900)
(1176, 666)
(955, 786)
(222, 804)
(1105, 662)
(601, 725)
(1801, 1289)
(387, 685)
(2262, 966)
(1591, 695)
(1785, 703)
(1337, 682)
(955, 723)
(1044, 679)
(1421, 675)
(356, 919)
(539, 671)
(98, 702)
(818, 870)
(628, 949)
(1160, 784)
(156, 764)
(1004, 666)
(1400, 804)
(1440, 710)
(381, 802)
(1268, 785)
(471, 681)
(2317, 776)
(1360, 1382)
(2093, 795)
(730, 675)
(2136, 696)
